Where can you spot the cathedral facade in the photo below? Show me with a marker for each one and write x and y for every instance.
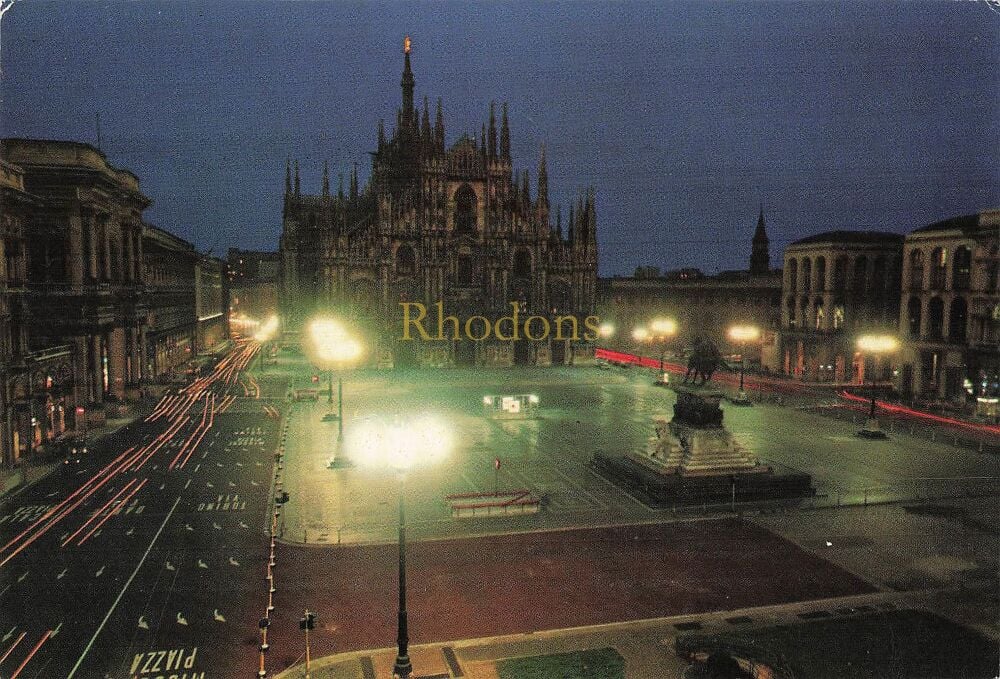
(454, 225)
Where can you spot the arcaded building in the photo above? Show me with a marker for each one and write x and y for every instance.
(455, 224)
(75, 307)
(950, 313)
(838, 285)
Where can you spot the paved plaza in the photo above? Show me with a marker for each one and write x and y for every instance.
(582, 411)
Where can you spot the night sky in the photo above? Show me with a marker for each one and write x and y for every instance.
(683, 116)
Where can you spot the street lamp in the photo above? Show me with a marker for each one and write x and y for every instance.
(264, 334)
(331, 347)
(402, 446)
(743, 335)
(875, 345)
(659, 331)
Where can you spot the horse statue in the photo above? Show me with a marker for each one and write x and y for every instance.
(703, 362)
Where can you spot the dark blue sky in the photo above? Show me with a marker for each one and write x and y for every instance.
(684, 116)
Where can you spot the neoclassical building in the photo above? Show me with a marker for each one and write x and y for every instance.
(950, 312)
(72, 248)
(837, 285)
(454, 224)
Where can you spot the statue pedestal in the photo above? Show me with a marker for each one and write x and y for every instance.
(694, 459)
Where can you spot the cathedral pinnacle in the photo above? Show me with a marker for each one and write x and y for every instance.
(298, 185)
(439, 128)
(326, 178)
(504, 134)
(288, 175)
(760, 258)
(409, 120)
(493, 131)
(543, 181)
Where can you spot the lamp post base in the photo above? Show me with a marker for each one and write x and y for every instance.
(871, 430)
(662, 379)
(403, 668)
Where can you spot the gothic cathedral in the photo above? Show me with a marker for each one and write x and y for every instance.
(435, 223)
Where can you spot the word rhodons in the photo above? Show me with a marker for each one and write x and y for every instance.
(505, 328)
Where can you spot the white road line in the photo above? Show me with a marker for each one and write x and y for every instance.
(111, 610)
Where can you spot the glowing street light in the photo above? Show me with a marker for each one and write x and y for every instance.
(743, 335)
(402, 446)
(331, 347)
(605, 330)
(659, 331)
(875, 345)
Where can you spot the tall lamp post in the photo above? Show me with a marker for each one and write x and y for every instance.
(265, 333)
(875, 346)
(742, 335)
(659, 332)
(331, 347)
(401, 446)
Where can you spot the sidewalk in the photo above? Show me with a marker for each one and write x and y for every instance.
(645, 646)
(20, 478)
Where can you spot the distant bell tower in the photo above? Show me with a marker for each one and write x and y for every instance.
(760, 260)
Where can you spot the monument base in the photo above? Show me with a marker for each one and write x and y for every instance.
(658, 490)
(741, 399)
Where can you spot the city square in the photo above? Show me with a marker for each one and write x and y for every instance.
(487, 341)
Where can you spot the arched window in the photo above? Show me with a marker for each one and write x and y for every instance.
(858, 280)
(916, 270)
(522, 264)
(958, 320)
(961, 268)
(807, 271)
(939, 268)
(935, 318)
(914, 312)
(821, 274)
(406, 261)
(463, 271)
(880, 272)
(791, 311)
(793, 275)
(820, 313)
(840, 274)
(465, 209)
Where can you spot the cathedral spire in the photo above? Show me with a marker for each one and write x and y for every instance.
(482, 140)
(298, 185)
(559, 221)
(439, 128)
(504, 134)
(543, 181)
(526, 188)
(760, 259)
(493, 130)
(326, 178)
(381, 135)
(288, 176)
(425, 130)
(354, 182)
(340, 186)
(407, 84)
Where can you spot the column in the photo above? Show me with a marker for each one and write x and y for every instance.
(116, 362)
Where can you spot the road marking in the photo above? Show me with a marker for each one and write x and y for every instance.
(130, 531)
(56, 630)
(4, 590)
(243, 525)
(233, 562)
(208, 484)
(63, 574)
(216, 526)
(218, 616)
(114, 605)
(8, 635)
(162, 486)
(23, 576)
(181, 620)
(99, 573)
(142, 623)
(187, 484)
(197, 466)
(187, 526)
(202, 564)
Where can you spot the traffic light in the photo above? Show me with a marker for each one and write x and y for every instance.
(308, 622)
